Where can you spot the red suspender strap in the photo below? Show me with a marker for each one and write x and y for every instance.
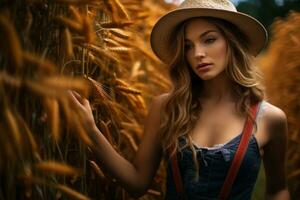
(239, 155)
(176, 175)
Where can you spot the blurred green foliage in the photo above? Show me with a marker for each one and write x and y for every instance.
(267, 10)
(260, 185)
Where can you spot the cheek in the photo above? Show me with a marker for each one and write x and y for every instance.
(220, 51)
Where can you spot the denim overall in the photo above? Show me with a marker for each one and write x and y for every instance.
(214, 163)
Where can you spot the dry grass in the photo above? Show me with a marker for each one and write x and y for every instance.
(99, 49)
(281, 67)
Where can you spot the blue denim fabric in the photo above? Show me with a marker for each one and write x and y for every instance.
(214, 164)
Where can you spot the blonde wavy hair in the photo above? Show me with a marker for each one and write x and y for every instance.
(181, 110)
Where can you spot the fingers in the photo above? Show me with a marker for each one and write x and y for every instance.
(78, 100)
(75, 99)
(86, 104)
(77, 96)
(82, 100)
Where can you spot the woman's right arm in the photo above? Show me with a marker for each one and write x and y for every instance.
(134, 176)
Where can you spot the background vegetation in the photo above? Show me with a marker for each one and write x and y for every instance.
(266, 11)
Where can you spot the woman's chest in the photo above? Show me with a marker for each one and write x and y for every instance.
(216, 127)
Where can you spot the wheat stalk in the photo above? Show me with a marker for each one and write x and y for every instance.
(68, 44)
(57, 168)
(119, 33)
(10, 41)
(97, 169)
(29, 135)
(70, 192)
(121, 8)
(53, 114)
(128, 90)
(116, 24)
(14, 129)
(130, 139)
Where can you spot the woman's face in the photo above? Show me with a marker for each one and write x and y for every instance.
(205, 48)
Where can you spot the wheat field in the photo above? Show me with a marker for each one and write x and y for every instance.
(99, 48)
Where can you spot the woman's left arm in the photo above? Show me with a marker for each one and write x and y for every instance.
(275, 156)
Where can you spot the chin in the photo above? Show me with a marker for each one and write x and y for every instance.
(206, 77)
(210, 75)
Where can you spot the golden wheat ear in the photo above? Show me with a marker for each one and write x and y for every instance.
(11, 42)
(52, 108)
(97, 169)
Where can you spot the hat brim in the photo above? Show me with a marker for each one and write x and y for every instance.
(164, 27)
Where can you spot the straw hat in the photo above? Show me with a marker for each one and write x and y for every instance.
(222, 9)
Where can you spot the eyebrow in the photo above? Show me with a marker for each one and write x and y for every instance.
(202, 34)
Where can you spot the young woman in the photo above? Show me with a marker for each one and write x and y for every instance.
(209, 48)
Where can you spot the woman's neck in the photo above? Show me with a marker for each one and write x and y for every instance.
(219, 89)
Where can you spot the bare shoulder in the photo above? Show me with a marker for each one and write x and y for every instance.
(275, 121)
(162, 98)
(154, 112)
(159, 101)
(273, 114)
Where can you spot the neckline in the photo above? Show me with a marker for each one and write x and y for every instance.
(217, 146)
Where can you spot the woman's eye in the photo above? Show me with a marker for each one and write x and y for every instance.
(209, 40)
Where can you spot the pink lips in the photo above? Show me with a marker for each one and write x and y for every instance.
(204, 66)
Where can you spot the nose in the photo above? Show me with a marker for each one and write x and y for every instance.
(199, 52)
